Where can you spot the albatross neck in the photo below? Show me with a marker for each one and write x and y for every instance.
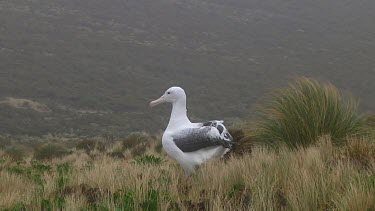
(178, 115)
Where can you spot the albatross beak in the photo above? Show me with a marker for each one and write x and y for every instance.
(157, 102)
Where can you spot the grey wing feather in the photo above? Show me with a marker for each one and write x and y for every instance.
(218, 124)
(193, 139)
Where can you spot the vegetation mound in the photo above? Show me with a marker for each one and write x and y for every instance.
(306, 110)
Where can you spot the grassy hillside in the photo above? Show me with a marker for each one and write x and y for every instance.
(301, 154)
(320, 177)
(96, 64)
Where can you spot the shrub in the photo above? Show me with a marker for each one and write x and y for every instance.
(243, 142)
(299, 114)
(137, 143)
(88, 146)
(50, 151)
(116, 154)
(138, 150)
(370, 120)
(135, 139)
(4, 142)
(16, 152)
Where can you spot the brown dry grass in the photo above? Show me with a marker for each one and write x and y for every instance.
(320, 177)
(14, 189)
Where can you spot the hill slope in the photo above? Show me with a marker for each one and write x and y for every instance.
(95, 64)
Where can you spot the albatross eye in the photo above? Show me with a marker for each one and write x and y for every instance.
(168, 92)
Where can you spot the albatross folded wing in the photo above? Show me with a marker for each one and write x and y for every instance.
(193, 139)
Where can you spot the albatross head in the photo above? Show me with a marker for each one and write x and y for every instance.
(172, 95)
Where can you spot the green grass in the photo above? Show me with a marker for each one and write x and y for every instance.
(306, 110)
(148, 160)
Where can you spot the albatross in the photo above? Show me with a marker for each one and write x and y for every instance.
(191, 144)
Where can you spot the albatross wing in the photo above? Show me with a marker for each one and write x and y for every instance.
(209, 134)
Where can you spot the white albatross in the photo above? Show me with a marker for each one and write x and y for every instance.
(191, 144)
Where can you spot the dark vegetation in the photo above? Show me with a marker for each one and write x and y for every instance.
(136, 143)
(16, 152)
(51, 150)
(95, 65)
(148, 160)
(90, 145)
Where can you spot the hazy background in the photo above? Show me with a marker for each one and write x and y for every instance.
(90, 67)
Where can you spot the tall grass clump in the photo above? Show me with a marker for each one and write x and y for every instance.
(306, 110)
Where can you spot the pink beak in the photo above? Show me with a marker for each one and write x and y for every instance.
(157, 102)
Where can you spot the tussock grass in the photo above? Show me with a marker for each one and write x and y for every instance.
(14, 190)
(306, 110)
(319, 177)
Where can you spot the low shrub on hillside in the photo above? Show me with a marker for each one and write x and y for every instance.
(16, 152)
(88, 146)
(139, 149)
(116, 154)
(299, 114)
(4, 141)
(134, 139)
(243, 142)
(137, 143)
(49, 151)
(370, 120)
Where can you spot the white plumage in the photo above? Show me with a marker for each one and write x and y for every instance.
(191, 144)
